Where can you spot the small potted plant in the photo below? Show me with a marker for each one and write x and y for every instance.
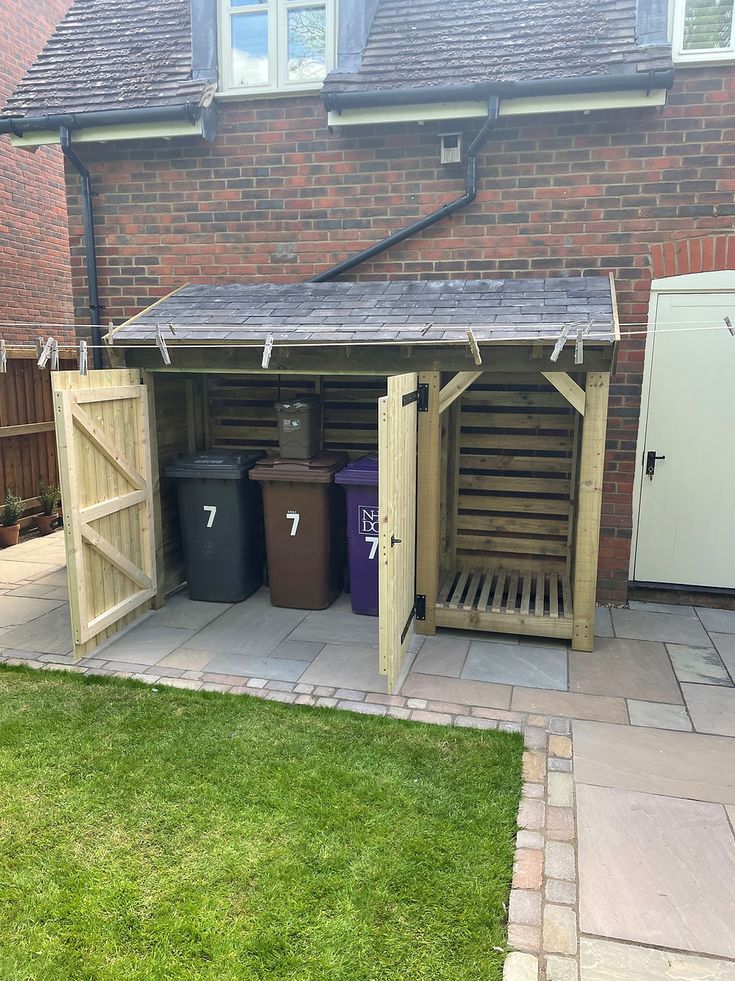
(10, 528)
(49, 496)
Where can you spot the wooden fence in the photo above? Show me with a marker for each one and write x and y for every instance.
(27, 441)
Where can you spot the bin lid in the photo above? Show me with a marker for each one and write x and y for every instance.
(363, 471)
(220, 464)
(300, 404)
(318, 470)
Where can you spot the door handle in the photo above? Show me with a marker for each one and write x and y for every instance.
(651, 463)
(394, 541)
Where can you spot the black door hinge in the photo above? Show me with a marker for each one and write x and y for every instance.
(420, 606)
(421, 395)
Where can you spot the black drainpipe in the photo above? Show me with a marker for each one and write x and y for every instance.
(90, 250)
(470, 183)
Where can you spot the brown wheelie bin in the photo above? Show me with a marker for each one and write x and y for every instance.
(304, 529)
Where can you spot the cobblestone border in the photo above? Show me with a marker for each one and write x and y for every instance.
(542, 913)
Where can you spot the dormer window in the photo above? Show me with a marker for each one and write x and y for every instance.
(276, 45)
(703, 31)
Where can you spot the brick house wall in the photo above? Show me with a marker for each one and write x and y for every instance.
(34, 242)
(277, 197)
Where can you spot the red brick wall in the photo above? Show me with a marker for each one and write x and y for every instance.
(34, 243)
(277, 197)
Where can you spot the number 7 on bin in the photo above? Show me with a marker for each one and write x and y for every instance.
(294, 517)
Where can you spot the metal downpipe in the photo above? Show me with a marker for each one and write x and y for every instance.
(446, 209)
(90, 250)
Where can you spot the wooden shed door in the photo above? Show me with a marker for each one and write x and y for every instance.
(107, 495)
(397, 434)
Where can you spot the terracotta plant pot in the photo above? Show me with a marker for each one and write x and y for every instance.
(45, 523)
(9, 535)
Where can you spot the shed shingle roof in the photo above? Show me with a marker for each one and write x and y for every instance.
(423, 43)
(112, 54)
(509, 310)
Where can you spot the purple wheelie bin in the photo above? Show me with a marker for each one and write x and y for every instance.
(360, 480)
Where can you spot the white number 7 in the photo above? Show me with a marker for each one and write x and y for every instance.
(212, 508)
(373, 539)
(294, 517)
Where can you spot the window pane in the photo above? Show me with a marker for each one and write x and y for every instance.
(250, 49)
(307, 44)
(246, 3)
(707, 24)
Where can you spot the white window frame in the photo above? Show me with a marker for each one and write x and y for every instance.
(696, 56)
(277, 11)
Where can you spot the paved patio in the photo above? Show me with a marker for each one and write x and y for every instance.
(645, 769)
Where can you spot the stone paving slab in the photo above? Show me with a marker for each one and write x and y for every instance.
(712, 709)
(17, 610)
(180, 611)
(725, 646)
(606, 960)
(253, 627)
(252, 665)
(603, 622)
(698, 665)
(146, 643)
(521, 664)
(628, 668)
(48, 634)
(345, 666)
(570, 705)
(442, 655)
(19, 571)
(644, 625)
(675, 764)
(718, 621)
(656, 715)
(419, 685)
(656, 870)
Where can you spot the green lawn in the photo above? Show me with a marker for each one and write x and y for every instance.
(165, 834)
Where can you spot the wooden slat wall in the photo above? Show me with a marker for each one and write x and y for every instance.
(25, 399)
(241, 413)
(516, 463)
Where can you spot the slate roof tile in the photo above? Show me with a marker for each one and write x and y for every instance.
(303, 311)
(126, 54)
(419, 43)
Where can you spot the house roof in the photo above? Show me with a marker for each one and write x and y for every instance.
(425, 43)
(126, 54)
(131, 54)
(504, 310)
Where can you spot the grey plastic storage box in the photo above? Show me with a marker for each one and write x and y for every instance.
(300, 427)
(221, 517)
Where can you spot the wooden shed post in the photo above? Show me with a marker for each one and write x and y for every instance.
(428, 503)
(591, 465)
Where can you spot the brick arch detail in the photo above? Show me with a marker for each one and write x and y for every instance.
(693, 255)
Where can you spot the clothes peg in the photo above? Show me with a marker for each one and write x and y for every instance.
(161, 345)
(267, 349)
(579, 347)
(54, 354)
(561, 340)
(82, 357)
(45, 354)
(3, 358)
(474, 347)
(728, 324)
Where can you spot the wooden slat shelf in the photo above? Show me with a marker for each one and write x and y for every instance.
(536, 602)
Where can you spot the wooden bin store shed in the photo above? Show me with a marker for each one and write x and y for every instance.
(486, 401)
